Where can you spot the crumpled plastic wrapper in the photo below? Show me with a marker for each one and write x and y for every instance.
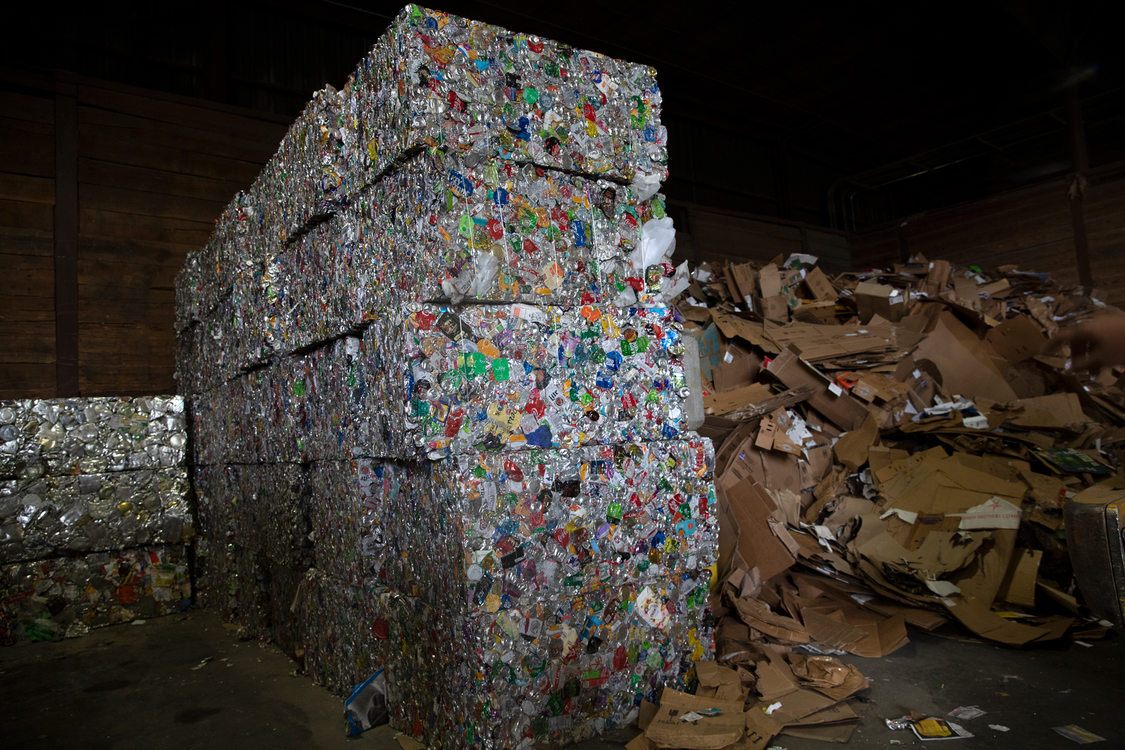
(67, 596)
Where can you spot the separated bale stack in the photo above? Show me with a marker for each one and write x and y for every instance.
(94, 513)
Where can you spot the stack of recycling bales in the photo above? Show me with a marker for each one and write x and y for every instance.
(94, 516)
(437, 392)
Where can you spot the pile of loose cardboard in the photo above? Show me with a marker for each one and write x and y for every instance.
(895, 449)
(769, 690)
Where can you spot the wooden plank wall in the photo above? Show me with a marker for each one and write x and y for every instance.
(1030, 227)
(717, 236)
(153, 173)
(27, 199)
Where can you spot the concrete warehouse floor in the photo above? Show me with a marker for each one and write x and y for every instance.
(149, 686)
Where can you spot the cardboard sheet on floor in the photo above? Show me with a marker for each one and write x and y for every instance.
(668, 728)
(831, 716)
(977, 617)
(865, 634)
(828, 631)
(798, 705)
(839, 733)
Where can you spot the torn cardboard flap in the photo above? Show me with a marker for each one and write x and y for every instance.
(1017, 339)
(745, 279)
(828, 675)
(734, 327)
(758, 616)
(751, 508)
(852, 447)
(769, 280)
(718, 682)
(820, 286)
(836, 405)
(1018, 586)
(967, 365)
(727, 402)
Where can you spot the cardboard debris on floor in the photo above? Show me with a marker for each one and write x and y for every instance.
(895, 450)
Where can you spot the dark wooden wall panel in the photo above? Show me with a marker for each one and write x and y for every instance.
(27, 264)
(153, 175)
(1031, 228)
(153, 172)
(706, 234)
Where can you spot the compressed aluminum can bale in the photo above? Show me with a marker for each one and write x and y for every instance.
(439, 228)
(58, 515)
(434, 380)
(525, 377)
(549, 591)
(208, 273)
(91, 435)
(434, 79)
(264, 508)
(346, 630)
(67, 596)
(298, 185)
(348, 533)
(294, 188)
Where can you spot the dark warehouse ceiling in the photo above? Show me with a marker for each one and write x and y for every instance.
(779, 109)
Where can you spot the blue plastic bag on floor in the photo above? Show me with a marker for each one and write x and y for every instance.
(367, 705)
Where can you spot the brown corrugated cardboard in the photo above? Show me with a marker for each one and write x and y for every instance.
(751, 508)
(669, 729)
(879, 299)
(843, 410)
